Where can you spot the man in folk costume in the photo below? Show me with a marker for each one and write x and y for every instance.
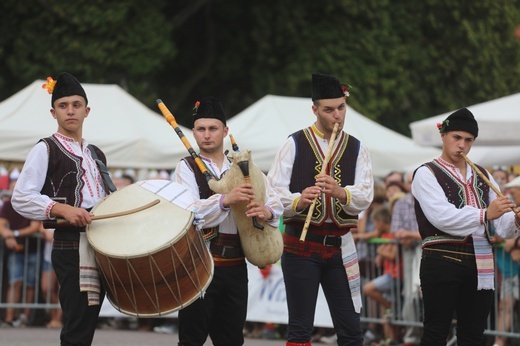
(221, 312)
(455, 209)
(328, 254)
(61, 179)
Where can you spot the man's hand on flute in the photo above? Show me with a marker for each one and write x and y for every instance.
(499, 207)
(307, 197)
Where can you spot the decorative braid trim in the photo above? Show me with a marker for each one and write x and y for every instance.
(442, 239)
(290, 343)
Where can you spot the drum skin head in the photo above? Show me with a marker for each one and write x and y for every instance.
(140, 233)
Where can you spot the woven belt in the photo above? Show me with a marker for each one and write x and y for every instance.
(326, 240)
(226, 251)
(58, 244)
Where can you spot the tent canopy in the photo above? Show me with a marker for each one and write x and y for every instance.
(498, 142)
(498, 122)
(130, 134)
(265, 125)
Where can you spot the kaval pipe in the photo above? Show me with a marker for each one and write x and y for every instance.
(323, 170)
(486, 180)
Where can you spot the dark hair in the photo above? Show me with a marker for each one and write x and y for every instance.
(396, 183)
(395, 172)
(128, 177)
(382, 214)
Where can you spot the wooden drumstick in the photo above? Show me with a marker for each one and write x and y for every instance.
(323, 170)
(63, 222)
(486, 180)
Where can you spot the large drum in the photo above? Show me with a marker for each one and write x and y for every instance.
(152, 262)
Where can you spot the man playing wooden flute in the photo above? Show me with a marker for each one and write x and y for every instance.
(328, 255)
(455, 209)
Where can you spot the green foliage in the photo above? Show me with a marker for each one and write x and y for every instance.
(406, 60)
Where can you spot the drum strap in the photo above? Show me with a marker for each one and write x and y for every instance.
(109, 185)
(204, 193)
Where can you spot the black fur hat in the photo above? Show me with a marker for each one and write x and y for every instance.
(67, 85)
(209, 107)
(460, 120)
(327, 87)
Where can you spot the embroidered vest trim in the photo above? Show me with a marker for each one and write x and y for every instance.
(456, 193)
(342, 167)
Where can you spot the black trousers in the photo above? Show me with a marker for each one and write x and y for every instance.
(79, 319)
(450, 290)
(220, 313)
(302, 276)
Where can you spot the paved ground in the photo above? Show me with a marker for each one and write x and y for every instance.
(40, 336)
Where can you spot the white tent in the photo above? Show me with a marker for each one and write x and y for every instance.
(265, 125)
(498, 142)
(498, 122)
(130, 134)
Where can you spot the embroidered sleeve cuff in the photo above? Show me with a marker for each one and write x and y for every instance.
(272, 213)
(483, 216)
(295, 204)
(348, 197)
(221, 203)
(48, 210)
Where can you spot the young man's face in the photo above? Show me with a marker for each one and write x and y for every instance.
(209, 134)
(329, 112)
(455, 143)
(70, 112)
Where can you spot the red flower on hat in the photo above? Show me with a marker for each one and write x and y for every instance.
(439, 126)
(344, 89)
(196, 108)
(49, 85)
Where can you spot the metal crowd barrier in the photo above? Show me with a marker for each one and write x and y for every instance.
(370, 313)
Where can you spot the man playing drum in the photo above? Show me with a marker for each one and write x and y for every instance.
(221, 313)
(60, 178)
(327, 255)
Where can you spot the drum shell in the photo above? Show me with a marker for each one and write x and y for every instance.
(153, 269)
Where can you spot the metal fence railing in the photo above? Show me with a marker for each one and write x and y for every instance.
(505, 309)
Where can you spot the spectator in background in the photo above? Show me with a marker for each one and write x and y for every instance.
(123, 181)
(394, 176)
(501, 176)
(367, 252)
(49, 282)
(394, 191)
(406, 231)
(18, 232)
(365, 230)
(508, 258)
(383, 288)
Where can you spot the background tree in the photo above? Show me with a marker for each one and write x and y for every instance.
(406, 60)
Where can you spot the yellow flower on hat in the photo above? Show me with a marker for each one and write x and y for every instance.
(49, 85)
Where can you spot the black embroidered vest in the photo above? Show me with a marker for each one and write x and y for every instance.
(456, 195)
(63, 182)
(307, 165)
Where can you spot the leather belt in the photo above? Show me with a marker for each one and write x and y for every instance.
(326, 240)
(226, 251)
